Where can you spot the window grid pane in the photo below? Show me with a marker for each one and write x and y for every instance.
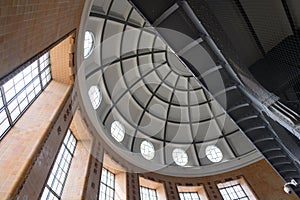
(21, 90)
(180, 157)
(45, 69)
(233, 192)
(4, 123)
(59, 172)
(107, 186)
(189, 196)
(147, 150)
(117, 131)
(88, 43)
(148, 193)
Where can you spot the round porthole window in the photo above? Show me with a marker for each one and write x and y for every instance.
(213, 153)
(95, 96)
(180, 157)
(88, 43)
(117, 131)
(147, 150)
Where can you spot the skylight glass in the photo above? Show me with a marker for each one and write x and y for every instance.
(88, 44)
(117, 131)
(213, 153)
(95, 96)
(180, 157)
(147, 150)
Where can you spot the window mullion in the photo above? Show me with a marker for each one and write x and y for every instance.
(228, 193)
(50, 70)
(68, 150)
(52, 192)
(236, 192)
(40, 75)
(5, 105)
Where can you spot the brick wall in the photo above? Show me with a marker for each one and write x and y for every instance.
(28, 27)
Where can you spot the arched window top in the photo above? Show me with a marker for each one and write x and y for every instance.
(95, 96)
(213, 153)
(180, 157)
(117, 131)
(89, 41)
(147, 150)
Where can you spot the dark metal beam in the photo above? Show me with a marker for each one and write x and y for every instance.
(289, 15)
(251, 28)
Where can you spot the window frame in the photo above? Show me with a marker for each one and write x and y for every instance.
(8, 85)
(180, 157)
(182, 194)
(149, 196)
(64, 148)
(117, 131)
(149, 153)
(246, 188)
(199, 189)
(217, 151)
(96, 102)
(109, 174)
(91, 49)
(235, 192)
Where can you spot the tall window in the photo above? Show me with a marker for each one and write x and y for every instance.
(148, 193)
(107, 186)
(19, 91)
(189, 196)
(233, 192)
(59, 172)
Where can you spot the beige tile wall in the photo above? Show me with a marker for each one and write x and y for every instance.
(22, 143)
(29, 26)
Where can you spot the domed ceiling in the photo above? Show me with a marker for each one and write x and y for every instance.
(149, 95)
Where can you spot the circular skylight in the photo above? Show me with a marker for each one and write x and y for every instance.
(117, 131)
(147, 150)
(180, 157)
(95, 96)
(88, 43)
(213, 153)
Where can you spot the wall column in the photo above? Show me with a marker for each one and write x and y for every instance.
(133, 186)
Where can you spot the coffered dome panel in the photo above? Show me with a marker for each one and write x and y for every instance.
(146, 87)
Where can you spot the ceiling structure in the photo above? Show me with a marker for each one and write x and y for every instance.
(146, 119)
(169, 101)
(256, 116)
(146, 88)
